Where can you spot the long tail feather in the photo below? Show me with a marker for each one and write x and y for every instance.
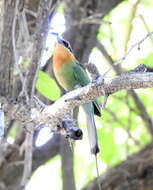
(98, 175)
(92, 133)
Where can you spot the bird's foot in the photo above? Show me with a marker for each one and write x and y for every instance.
(98, 80)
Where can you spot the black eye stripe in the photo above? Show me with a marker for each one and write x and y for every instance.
(67, 45)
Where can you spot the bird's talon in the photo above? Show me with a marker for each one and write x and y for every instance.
(100, 79)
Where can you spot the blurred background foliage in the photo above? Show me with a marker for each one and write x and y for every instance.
(121, 130)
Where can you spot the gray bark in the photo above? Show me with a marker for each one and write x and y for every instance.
(132, 174)
(135, 174)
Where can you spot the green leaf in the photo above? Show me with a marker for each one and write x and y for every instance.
(147, 3)
(60, 9)
(12, 133)
(108, 146)
(47, 86)
(147, 60)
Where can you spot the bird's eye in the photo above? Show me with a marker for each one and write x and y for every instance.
(67, 45)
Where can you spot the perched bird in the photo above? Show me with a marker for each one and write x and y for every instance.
(70, 74)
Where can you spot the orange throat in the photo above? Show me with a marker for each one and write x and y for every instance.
(61, 56)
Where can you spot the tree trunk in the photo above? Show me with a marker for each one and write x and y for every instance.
(134, 173)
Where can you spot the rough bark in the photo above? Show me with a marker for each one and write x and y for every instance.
(52, 114)
(7, 56)
(67, 165)
(11, 163)
(132, 174)
(83, 39)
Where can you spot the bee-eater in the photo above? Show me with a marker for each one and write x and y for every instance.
(70, 74)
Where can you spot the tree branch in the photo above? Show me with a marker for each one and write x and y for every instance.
(27, 160)
(67, 165)
(6, 53)
(132, 174)
(117, 67)
(42, 23)
(52, 115)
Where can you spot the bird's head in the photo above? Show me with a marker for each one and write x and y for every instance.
(65, 43)
(63, 50)
(61, 41)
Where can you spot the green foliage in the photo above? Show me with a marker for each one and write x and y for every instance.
(108, 146)
(12, 134)
(47, 86)
(60, 8)
(23, 64)
(109, 34)
(121, 129)
(147, 3)
(118, 121)
(148, 61)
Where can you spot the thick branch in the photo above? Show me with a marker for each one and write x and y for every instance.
(123, 82)
(51, 114)
(42, 23)
(132, 174)
(6, 54)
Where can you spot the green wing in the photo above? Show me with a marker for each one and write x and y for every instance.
(83, 79)
(80, 75)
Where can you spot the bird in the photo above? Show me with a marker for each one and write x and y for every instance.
(70, 74)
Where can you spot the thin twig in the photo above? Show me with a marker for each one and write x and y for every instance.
(2, 124)
(30, 12)
(42, 23)
(16, 56)
(129, 51)
(28, 159)
(98, 175)
(145, 116)
(131, 18)
(92, 19)
(24, 26)
(146, 26)
(120, 122)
